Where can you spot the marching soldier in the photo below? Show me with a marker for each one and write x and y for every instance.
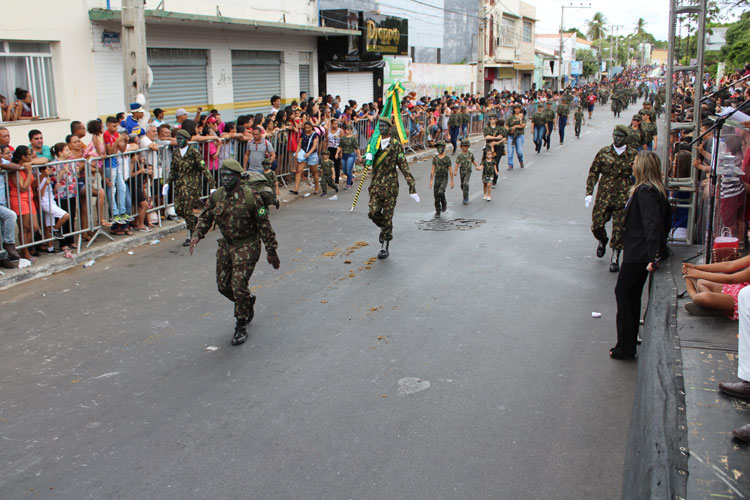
(464, 162)
(441, 169)
(384, 184)
(242, 218)
(611, 169)
(185, 175)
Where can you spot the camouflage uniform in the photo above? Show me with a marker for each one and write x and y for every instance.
(550, 115)
(635, 138)
(612, 194)
(243, 224)
(563, 110)
(465, 164)
(185, 179)
(539, 119)
(326, 171)
(649, 132)
(616, 105)
(454, 127)
(442, 169)
(651, 113)
(578, 117)
(488, 170)
(384, 186)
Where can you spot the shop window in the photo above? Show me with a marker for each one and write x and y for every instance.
(28, 65)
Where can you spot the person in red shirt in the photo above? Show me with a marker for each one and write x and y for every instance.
(113, 170)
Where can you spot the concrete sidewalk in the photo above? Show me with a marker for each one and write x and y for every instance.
(102, 246)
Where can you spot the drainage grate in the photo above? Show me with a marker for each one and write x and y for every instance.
(449, 224)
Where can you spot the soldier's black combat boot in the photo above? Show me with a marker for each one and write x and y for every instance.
(252, 309)
(383, 253)
(186, 243)
(602, 248)
(240, 333)
(444, 203)
(614, 266)
(437, 213)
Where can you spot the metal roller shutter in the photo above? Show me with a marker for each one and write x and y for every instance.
(357, 86)
(256, 76)
(304, 78)
(180, 78)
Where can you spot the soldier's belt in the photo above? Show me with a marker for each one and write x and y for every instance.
(239, 241)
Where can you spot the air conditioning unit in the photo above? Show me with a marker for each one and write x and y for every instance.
(517, 54)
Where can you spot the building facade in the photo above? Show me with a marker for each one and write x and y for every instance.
(509, 45)
(550, 44)
(227, 55)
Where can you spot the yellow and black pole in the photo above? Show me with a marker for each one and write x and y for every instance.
(391, 108)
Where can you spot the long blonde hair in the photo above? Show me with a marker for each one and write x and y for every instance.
(647, 170)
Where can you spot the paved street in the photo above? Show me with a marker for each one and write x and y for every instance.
(107, 389)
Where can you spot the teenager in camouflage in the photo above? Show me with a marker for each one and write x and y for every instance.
(539, 119)
(611, 169)
(185, 175)
(441, 170)
(384, 185)
(242, 218)
(464, 162)
(326, 173)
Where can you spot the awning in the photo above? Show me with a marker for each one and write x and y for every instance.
(166, 17)
(498, 65)
(524, 66)
(353, 65)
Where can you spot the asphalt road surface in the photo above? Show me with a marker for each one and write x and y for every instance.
(466, 366)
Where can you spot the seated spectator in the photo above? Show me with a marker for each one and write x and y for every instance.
(22, 199)
(22, 108)
(714, 288)
(37, 145)
(741, 389)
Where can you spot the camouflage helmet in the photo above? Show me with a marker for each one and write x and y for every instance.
(267, 161)
(465, 142)
(439, 143)
(325, 152)
(232, 165)
(621, 129)
(385, 119)
(637, 117)
(183, 133)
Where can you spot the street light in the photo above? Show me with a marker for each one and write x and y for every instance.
(581, 5)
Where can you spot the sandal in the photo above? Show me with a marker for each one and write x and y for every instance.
(615, 354)
(67, 254)
(128, 232)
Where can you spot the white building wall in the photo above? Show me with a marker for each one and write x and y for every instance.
(219, 43)
(289, 11)
(68, 31)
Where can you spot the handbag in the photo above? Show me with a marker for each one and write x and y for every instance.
(726, 247)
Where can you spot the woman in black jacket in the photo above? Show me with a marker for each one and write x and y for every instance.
(647, 223)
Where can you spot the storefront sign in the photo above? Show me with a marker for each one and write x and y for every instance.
(385, 35)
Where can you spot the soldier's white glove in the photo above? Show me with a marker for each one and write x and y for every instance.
(165, 190)
(415, 197)
(368, 157)
(211, 191)
(587, 200)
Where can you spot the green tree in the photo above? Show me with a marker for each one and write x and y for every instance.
(639, 27)
(736, 52)
(595, 26)
(590, 63)
(578, 32)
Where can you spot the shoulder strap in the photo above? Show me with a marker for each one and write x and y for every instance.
(215, 195)
(249, 197)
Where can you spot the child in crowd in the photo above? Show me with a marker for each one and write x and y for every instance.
(54, 216)
(441, 169)
(489, 172)
(578, 117)
(326, 170)
(464, 161)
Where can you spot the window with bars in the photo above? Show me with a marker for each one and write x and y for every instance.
(28, 66)
(508, 32)
(527, 31)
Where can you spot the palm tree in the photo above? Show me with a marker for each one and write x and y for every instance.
(639, 27)
(595, 26)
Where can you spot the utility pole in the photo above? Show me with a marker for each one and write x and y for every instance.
(479, 88)
(616, 33)
(562, 17)
(135, 64)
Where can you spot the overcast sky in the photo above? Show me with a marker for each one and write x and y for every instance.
(624, 13)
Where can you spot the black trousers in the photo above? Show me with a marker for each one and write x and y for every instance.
(70, 206)
(628, 293)
(336, 165)
(499, 153)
